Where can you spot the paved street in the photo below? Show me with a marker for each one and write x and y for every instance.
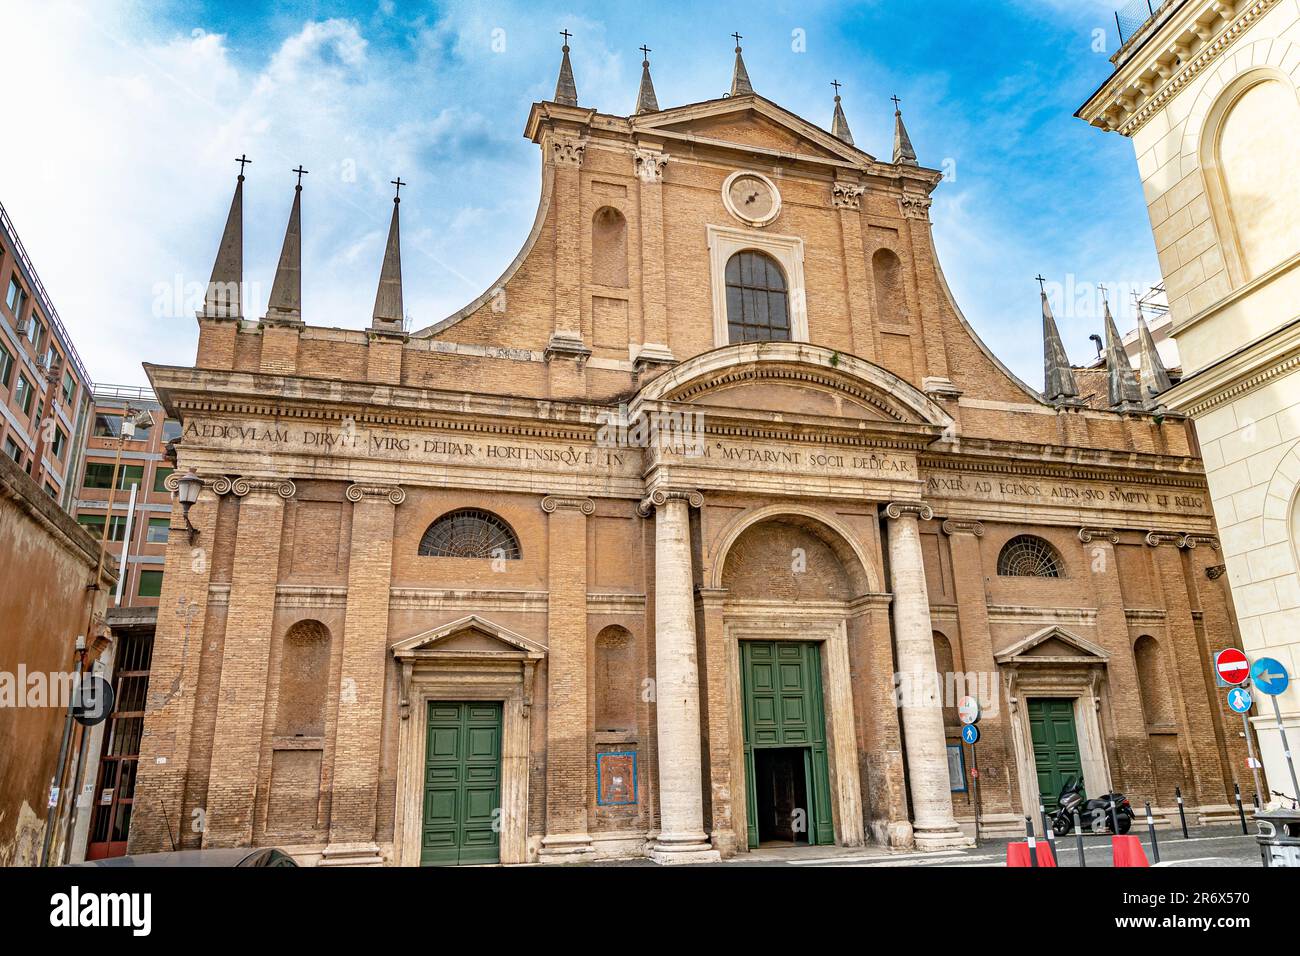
(1209, 846)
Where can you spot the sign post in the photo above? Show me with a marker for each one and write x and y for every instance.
(1233, 669)
(968, 709)
(1269, 677)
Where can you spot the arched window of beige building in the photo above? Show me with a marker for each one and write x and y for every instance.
(304, 676)
(1153, 682)
(616, 684)
(891, 294)
(609, 248)
(1250, 145)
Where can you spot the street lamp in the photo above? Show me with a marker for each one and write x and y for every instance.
(187, 491)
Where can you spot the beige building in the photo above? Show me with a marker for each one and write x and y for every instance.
(1207, 91)
(683, 538)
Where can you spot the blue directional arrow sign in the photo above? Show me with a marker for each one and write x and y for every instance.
(1240, 700)
(1269, 677)
(971, 734)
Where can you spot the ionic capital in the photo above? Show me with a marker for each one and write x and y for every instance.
(953, 527)
(554, 503)
(394, 494)
(1086, 535)
(1156, 538)
(283, 487)
(660, 497)
(915, 509)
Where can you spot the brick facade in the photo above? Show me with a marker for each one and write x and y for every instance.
(868, 476)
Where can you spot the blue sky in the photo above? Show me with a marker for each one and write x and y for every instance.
(133, 115)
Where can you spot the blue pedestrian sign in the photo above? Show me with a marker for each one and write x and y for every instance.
(971, 734)
(1240, 700)
(1269, 677)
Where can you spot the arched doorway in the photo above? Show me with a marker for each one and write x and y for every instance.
(791, 581)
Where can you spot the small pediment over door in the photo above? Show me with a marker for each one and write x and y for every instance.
(468, 637)
(1053, 645)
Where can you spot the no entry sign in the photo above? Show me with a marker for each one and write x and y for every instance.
(1232, 666)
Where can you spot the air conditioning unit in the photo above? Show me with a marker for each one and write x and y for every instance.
(22, 326)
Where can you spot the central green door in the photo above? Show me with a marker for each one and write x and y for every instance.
(1056, 746)
(782, 688)
(462, 784)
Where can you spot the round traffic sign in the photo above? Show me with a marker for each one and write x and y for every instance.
(1239, 700)
(1268, 676)
(968, 709)
(1232, 666)
(92, 700)
(971, 734)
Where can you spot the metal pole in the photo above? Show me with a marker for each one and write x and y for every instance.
(1151, 831)
(75, 787)
(52, 813)
(975, 786)
(1236, 789)
(1114, 819)
(1048, 832)
(1078, 838)
(1286, 748)
(1033, 842)
(1182, 814)
(1254, 760)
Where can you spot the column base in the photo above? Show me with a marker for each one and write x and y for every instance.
(1222, 813)
(566, 848)
(895, 834)
(1002, 824)
(684, 849)
(941, 838)
(351, 854)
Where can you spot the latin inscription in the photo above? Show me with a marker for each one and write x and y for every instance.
(1046, 491)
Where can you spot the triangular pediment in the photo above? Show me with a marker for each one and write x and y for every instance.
(469, 636)
(1053, 644)
(750, 123)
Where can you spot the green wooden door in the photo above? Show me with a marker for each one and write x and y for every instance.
(1056, 746)
(462, 784)
(782, 691)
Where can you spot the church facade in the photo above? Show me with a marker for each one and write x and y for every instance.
(684, 538)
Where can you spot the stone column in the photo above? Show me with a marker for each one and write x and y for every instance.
(997, 780)
(245, 658)
(358, 732)
(568, 726)
(178, 645)
(933, 824)
(677, 690)
(650, 165)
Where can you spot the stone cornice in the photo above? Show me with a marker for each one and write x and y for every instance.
(1120, 468)
(1133, 95)
(1273, 356)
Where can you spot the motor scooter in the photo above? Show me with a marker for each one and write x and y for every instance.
(1094, 814)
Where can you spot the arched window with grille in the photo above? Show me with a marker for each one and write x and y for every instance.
(470, 533)
(1029, 557)
(758, 303)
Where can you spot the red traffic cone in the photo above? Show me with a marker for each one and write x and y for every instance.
(1018, 854)
(1127, 851)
